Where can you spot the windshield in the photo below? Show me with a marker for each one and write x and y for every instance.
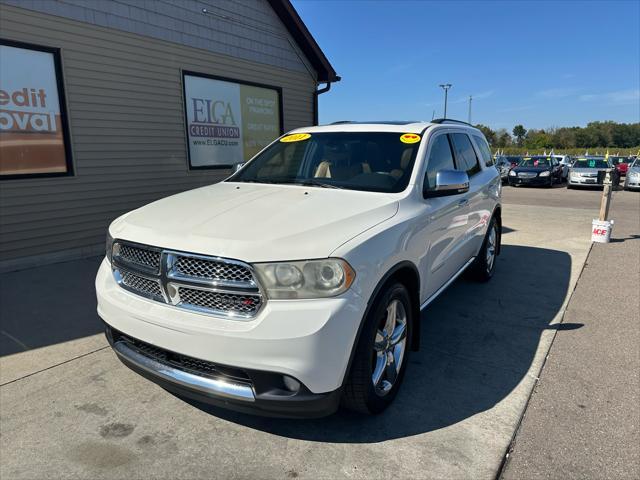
(535, 162)
(514, 159)
(636, 163)
(370, 161)
(590, 163)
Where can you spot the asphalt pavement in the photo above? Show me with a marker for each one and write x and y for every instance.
(69, 409)
(583, 420)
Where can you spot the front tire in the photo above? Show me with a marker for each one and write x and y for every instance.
(485, 263)
(381, 355)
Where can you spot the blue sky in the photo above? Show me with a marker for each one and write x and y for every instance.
(542, 64)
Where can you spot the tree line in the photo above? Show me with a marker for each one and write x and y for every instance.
(594, 135)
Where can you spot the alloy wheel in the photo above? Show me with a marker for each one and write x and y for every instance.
(389, 347)
(491, 249)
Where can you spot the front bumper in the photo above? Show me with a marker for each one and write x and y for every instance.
(584, 182)
(632, 183)
(254, 392)
(533, 181)
(307, 340)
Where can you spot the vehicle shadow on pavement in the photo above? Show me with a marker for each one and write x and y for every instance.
(477, 343)
(47, 305)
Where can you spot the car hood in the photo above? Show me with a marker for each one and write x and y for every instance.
(256, 222)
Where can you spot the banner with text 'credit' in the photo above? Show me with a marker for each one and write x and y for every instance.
(31, 125)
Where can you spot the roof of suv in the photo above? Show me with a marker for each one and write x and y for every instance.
(383, 126)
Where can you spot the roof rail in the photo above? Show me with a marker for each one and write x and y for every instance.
(382, 122)
(446, 120)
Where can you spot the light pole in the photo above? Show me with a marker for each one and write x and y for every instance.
(470, 98)
(445, 87)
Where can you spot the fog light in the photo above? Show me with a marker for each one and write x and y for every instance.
(291, 384)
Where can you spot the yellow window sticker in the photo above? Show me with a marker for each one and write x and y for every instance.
(410, 138)
(296, 137)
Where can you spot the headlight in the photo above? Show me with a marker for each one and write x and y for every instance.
(305, 279)
(513, 174)
(545, 174)
(109, 246)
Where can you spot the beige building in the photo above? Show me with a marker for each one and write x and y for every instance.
(108, 105)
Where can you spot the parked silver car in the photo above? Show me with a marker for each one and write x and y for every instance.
(584, 171)
(565, 161)
(503, 164)
(632, 180)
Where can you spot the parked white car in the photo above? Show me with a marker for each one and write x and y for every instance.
(298, 282)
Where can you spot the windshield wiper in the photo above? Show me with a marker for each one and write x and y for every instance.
(289, 181)
(255, 180)
(316, 183)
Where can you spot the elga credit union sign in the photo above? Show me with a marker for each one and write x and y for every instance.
(32, 123)
(228, 122)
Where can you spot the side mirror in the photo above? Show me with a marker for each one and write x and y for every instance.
(448, 182)
(238, 166)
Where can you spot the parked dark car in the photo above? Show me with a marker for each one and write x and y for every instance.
(538, 170)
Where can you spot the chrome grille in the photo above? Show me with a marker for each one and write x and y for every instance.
(527, 174)
(138, 256)
(212, 285)
(222, 302)
(212, 270)
(139, 284)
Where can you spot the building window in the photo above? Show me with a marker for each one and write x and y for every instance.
(34, 137)
(228, 121)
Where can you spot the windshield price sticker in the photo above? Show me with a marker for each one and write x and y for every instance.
(296, 137)
(592, 163)
(410, 138)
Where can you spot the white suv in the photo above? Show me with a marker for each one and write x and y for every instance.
(297, 283)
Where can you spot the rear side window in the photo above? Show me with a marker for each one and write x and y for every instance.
(485, 152)
(440, 158)
(466, 158)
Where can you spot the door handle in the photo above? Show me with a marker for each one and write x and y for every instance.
(464, 202)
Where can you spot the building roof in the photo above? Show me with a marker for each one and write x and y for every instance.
(300, 33)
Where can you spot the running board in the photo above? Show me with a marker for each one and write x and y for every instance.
(449, 282)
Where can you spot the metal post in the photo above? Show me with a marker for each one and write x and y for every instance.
(606, 195)
(470, 99)
(445, 87)
(445, 103)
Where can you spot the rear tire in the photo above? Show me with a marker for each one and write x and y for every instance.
(484, 265)
(375, 377)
